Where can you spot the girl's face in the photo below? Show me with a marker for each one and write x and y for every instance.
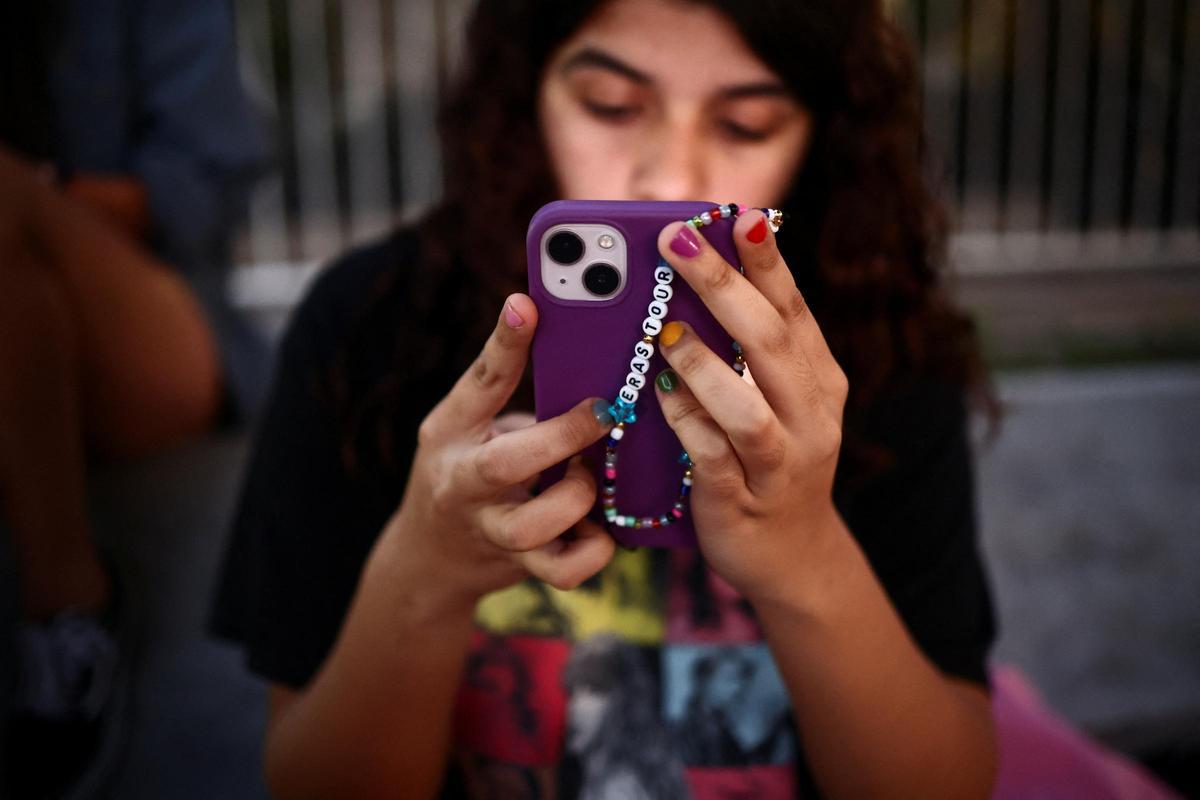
(663, 100)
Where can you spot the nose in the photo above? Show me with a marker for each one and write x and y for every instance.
(671, 167)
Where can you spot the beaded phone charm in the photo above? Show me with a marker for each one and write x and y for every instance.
(624, 408)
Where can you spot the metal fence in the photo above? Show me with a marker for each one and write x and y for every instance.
(1066, 133)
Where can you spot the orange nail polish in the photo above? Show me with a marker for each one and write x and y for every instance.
(671, 333)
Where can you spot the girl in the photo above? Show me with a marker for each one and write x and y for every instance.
(386, 529)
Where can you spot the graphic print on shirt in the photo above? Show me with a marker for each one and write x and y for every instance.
(702, 607)
(511, 706)
(613, 728)
(623, 599)
(729, 713)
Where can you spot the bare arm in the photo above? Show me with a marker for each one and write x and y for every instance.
(376, 719)
(876, 717)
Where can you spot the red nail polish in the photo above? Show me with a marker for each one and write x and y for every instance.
(758, 234)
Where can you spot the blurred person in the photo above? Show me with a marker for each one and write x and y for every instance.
(385, 498)
(126, 150)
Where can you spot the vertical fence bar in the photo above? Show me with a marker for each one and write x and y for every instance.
(1170, 153)
(285, 105)
(1027, 127)
(940, 91)
(1049, 110)
(391, 104)
(1007, 94)
(1149, 168)
(1133, 111)
(963, 117)
(335, 60)
(417, 59)
(366, 120)
(1095, 30)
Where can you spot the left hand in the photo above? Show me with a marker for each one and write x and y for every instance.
(764, 451)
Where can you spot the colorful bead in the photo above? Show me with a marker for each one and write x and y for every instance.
(623, 409)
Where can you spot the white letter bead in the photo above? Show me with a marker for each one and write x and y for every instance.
(628, 394)
(643, 350)
(664, 274)
(640, 365)
(663, 292)
(657, 310)
(635, 380)
(652, 326)
(617, 433)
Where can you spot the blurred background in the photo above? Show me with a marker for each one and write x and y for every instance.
(1064, 136)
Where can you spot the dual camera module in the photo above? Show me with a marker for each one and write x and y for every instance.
(566, 248)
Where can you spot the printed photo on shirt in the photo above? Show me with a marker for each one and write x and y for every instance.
(702, 607)
(623, 599)
(619, 744)
(727, 705)
(511, 706)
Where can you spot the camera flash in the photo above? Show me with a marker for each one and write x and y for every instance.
(605, 241)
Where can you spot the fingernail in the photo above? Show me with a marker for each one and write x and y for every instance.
(511, 317)
(685, 243)
(758, 233)
(603, 416)
(671, 333)
(667, 380)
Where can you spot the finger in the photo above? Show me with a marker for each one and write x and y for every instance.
(739, 409)
(766, 270)
(715, 463)
(485, 387)
(568, 561)
(517, 456)
(767, 341)
(520, 527)
(515, 421)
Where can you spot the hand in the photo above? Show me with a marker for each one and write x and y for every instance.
(467, 514)
(764, 451)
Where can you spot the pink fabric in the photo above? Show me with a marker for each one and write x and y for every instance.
(1042, 756)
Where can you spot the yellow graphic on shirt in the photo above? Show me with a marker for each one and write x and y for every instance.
(625, 603)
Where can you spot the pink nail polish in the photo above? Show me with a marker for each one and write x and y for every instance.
(511, 317)
(685, 243)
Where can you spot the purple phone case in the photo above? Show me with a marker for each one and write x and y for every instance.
(583, 349)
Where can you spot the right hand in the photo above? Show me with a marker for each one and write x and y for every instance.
(467, 512)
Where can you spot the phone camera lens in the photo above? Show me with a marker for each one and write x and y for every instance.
(565, 247)
(601, 279)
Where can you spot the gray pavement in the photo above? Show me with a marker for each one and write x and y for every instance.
(1090, 508)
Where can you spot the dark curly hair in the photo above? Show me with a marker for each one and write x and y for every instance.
(866, 236)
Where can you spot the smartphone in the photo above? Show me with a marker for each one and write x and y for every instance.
(592, 268)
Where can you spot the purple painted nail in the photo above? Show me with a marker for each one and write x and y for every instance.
(685, 243)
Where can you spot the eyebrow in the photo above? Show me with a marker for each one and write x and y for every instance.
(591, 57)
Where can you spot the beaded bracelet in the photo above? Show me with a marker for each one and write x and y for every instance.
(624, 409)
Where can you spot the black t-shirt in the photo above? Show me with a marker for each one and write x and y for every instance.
(674, 655)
